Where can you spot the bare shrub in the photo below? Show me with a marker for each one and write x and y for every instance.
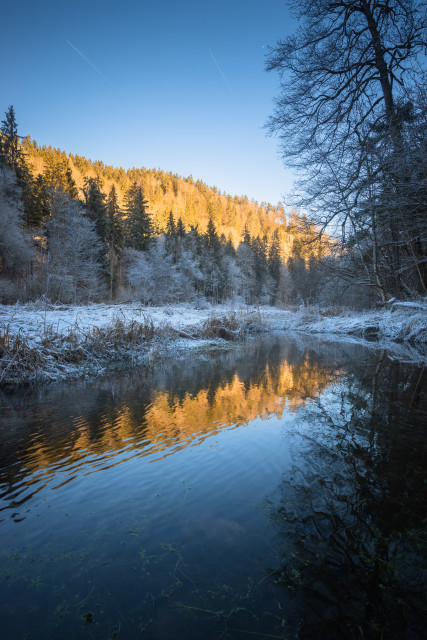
(232, 326)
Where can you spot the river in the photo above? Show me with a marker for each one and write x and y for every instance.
(274, 490)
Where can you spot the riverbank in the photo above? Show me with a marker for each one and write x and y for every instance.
(42, 342)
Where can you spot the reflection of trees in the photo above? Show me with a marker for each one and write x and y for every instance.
(353, 512)
(143, 412)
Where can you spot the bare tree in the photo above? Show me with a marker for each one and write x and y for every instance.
(346, 116)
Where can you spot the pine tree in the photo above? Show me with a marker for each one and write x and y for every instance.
(211, 237)
(259, 247)
(180, 229)
(70, 185)
(12, 156)
(38, 212)
(96, 211)
(11, 151)
(114, 222)
(170, 226)
(95, 206)
(246, 236)
(139, 226)
(171, 238)
(274, 259)
(114, 238)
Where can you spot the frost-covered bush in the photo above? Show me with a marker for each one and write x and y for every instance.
(156, 279)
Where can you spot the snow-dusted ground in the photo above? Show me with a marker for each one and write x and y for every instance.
(400, 323)
(403, 323)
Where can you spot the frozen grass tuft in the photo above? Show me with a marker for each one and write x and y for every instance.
(233, 326)
(56, 355)
(41, 342)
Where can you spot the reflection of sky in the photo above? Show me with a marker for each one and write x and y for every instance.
(175, 85)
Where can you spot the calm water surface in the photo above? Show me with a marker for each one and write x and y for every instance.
(278, 490)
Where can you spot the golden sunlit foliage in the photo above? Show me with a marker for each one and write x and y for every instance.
(191, 200)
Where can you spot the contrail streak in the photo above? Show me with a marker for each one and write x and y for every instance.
(89, 62)
(221, 71)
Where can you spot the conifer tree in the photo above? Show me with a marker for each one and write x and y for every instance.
(170, 226)
(246, 236)
(259, 248)
(180, 229)
(12, 155)
(39, 210)
(70, 185)
(139, 226)
(11, 152)
(95, 205)
(114, 222)
(211, 237)
(172, 240)
(114, 237)
(274, 260)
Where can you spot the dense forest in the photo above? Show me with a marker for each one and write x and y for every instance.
(75, 230)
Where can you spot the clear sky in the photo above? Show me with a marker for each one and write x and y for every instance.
(175, 85)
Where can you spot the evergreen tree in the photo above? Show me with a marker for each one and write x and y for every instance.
(139, 226)
(170, 226)
(114, 222)
(172, 240)
(180, 229)
(38, 212)
(277, 271)
(246, 236)
(229, 249)
(114, 238)
(70, 185)
(211, 237)
(274, 260)
(95, 206)
(12, 155)
(259, 248)
(10, 150)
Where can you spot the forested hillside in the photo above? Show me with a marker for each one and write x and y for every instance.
(79, 230)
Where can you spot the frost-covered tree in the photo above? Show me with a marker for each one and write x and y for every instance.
(13, 156)
(350, 119)
(74, 273)
(152, 276)
(15, 245)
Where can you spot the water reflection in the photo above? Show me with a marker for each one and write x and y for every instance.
(352, 513)
(277, 490)
(108, 422)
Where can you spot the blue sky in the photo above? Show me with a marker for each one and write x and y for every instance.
(174, 85)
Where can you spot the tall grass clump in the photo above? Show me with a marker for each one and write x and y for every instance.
(55, 354)
(233, 326)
